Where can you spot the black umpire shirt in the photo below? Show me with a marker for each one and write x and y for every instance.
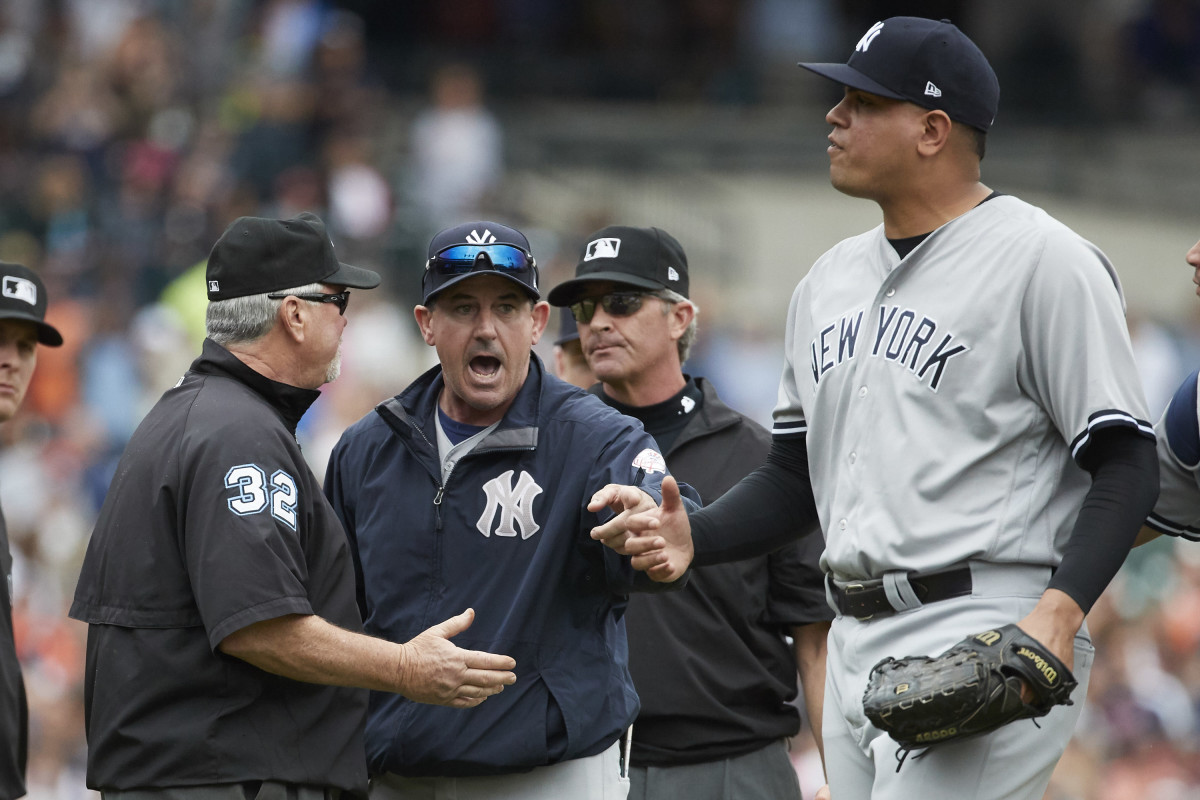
(710, 663)
(14, 716)
(213, 522)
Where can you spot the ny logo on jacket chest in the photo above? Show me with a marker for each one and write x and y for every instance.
(513, 503)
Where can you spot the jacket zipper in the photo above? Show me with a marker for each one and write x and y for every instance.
(441, 491)
(437, 499)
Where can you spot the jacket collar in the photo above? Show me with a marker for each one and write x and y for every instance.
(290, 401)
(713, 415)
(417, 405)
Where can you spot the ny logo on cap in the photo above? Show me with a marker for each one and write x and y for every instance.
(865, 42)
(474, 238)
(214, 286)
(20, 289)
(602, 248)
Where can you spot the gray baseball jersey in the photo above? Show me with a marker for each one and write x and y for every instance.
(944, 395)
(1177, 512)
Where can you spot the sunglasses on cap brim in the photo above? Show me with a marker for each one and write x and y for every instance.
(459, 259)
(615, 304)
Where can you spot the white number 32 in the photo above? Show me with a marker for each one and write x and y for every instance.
(254, 494)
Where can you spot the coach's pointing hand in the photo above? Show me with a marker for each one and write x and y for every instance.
(624, 501)
(433, 670)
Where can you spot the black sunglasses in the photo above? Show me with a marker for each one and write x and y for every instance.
(615, 304)
(341, 299)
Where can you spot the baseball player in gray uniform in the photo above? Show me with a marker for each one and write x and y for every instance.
(1177, 512)
(959, 407)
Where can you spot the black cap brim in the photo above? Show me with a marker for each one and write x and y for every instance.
(46, 334)
(569, 292)
(353, 277)
(849, 76)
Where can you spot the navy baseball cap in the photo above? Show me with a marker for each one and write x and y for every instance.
(256, 256)
(926, 62)
(568, 331)
(647, 258)
(23, 296)
(475, 248)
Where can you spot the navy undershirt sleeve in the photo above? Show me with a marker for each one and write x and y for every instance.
(765, 510)
(1124, 468)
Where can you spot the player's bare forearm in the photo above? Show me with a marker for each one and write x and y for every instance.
(811, 646)
(1146, 534)
(427, 669)
(1054, 622)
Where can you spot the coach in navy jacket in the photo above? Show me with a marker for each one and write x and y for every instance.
(503, 528)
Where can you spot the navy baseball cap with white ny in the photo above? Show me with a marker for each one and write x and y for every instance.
(472, 248)
(927, 62)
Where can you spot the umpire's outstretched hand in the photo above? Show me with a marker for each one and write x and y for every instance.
(659, 538)
(433, 670)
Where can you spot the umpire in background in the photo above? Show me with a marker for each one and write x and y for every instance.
(711, 662)
(22, 328)
(218, 585)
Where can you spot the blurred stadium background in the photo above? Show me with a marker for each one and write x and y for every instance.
(133, 131)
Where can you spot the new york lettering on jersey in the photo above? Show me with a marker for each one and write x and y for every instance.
(909, 337)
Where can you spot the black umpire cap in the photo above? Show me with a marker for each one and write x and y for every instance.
(256, 255)
(23, 296)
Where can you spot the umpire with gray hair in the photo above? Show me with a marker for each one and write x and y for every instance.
(225, 657)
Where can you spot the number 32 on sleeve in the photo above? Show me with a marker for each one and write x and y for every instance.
(255, 495)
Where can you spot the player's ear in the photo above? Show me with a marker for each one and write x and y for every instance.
(935, 132)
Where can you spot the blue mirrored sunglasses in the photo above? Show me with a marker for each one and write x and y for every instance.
(341, 299)
(460, 259)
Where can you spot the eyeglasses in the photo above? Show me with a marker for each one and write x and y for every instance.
(615, 304)
(459, 259)
(341, 299)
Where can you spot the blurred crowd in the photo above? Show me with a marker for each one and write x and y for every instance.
(133, 131)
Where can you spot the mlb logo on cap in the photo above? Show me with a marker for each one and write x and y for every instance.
(20, 289)
(642, 258)
(602, 248)
(23, 297)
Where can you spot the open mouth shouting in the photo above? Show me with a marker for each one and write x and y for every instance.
(485, 366)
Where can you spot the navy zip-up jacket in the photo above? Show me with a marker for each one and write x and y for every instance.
(508, 535)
